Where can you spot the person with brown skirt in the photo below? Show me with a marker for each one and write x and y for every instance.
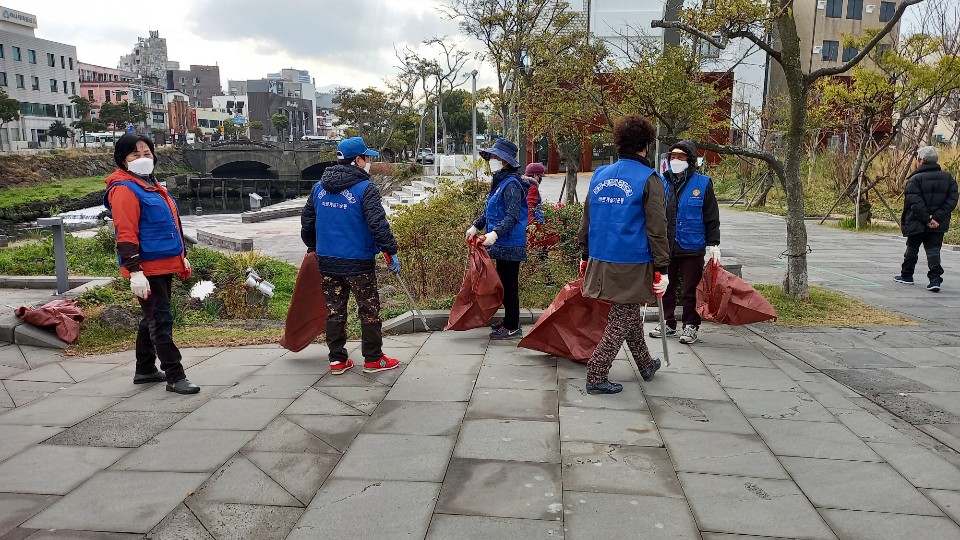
(625, 250)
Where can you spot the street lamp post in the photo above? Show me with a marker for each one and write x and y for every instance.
(474, 117)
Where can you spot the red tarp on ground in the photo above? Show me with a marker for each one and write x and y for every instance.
(63, 315)
(726, 299)
(307, 316)
(571, 327)
(481, 294)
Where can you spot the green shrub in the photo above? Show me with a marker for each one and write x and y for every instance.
(85, 256)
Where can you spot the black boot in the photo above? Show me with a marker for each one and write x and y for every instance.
(183, 386)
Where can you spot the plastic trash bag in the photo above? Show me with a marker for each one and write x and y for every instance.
(571, 327)
(307, 316)
(726, 299)
(481, 294)
(63, 316)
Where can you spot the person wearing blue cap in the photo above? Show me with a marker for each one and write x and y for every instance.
(345, 224)
(504, 219)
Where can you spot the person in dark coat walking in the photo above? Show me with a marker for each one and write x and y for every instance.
(693, 228)
(928, 200)
(346, 225)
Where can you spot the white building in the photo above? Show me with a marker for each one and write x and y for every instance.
(42, 75)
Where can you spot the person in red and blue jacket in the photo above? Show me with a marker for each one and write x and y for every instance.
(504, 219)
(150, 249)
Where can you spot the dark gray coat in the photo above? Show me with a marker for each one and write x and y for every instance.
(930, 193)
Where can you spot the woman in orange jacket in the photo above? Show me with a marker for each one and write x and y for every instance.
(151, 250)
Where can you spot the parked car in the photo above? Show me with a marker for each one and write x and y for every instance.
(425, 156)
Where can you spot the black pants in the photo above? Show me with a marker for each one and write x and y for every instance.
(689, 271)
(509, 272)
(336, 292)
(155, 335)
(931, 242)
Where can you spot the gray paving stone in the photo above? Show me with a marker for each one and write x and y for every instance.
(941, 379)
(245, 521)
(849, 485)
(23, 392)
(362, 398)
(920, 466)
(236, 356)
(7, 372)
(685, 386)
(924, 356)
(411, 458)
(239, 481)
(386, 378)
(271, 387)
(780, 405)
(681, 361)
(57, 411)
(81, 371)
(117, 429)
(843, 358)
(180, 524)
(466, 364)
(432, 388)
(157, 399)
(875, 381)
(352, 509)
(14, 439)
(513, 404)
(621, 370)
(313, 351)
(417, 418)
(754, 378)
(697, 414)
(296, 366)
(234, 414)
(315, 402)
(734, 454)
(117, 382)
(948, 501)
(626, 516)
(515, 356)
(283, 435)
(74, 535)
(813, 439)
(450, 527)
(870, 428)
(828, 396)
(608, 426)
(752, 506)
(481, 487)
(614, 468)
(350, 378)
(509, 440)
(48, 373)
(337, 431)
(919, 409)
(219, 375)
(300, 474)
(15, 508)
(116, 501)
(747, 357)
(873, 525)
(185, 450)
(573, 393)
(453, 347)
(11, 356)
(41, 356)
(519, 377)
(947, 401)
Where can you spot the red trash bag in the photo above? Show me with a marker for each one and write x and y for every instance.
(62, 315)
(480, 296)
(307, 316)
(541, 236)
(726, 299)
(571, 327)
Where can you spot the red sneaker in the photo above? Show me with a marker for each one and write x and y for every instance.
(382, 364)
(339, 368)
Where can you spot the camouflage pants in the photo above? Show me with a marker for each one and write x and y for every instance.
(336, 292)
(625, 323)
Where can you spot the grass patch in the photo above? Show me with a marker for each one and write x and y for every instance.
(73, 188)
(829, 309)
(95, 256)
(97, 338)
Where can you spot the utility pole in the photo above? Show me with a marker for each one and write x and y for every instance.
(473, 113)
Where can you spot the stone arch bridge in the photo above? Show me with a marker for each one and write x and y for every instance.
(300, 159)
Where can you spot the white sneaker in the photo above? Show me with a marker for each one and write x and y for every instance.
(689, 334)
(657, 332)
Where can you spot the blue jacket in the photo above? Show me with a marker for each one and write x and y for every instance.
(496, 210)
(158, 234)
(341, 229)
(618, 231)
(691, 228)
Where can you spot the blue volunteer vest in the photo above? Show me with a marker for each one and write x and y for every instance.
(342, 230)
(618, 232)
(496, 210)
(691, 231)
(157, 229)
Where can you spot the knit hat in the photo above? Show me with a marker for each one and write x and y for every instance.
(535, 168)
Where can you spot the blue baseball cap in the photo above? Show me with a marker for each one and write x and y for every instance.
(353, 147)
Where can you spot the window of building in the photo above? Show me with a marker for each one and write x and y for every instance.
(31, 56)
(198, 104)
(63, 62)
(183, 80)
(70, 111)
(51, 60)
(196, 80)
(53, 85)
(855, 9)
(65, 87)
(1, 51)
(196, 93)
(883, 48)
(90, 95)
(59, 111)
(16, 53)
(830, 50)
(159, 118)
(202, 122)
(70, 61)
(215, 123)
(834, 8)
(73, 88)
(849, 53)
(887, 9)
(156, 98)
(20, 81)
(106, 96)
(3, 78)
(35, 82)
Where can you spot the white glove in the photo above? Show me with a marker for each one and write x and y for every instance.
(660, 287)
(139, 285)
(471, 232)
(489, 239)
(186, 263)
(713, 252)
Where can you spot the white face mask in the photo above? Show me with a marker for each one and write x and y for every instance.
(366, 166)
(678, 166)
(495, 165)
(142, 166)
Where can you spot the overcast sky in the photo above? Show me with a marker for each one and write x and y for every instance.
(340, 43)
